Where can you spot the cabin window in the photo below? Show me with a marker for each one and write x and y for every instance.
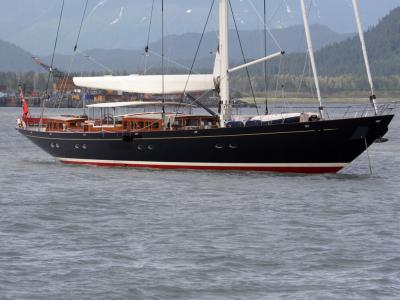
(141, 124)
(192, 123)
(156, 125)
(148, 125)
(125, 124)
(60, 126)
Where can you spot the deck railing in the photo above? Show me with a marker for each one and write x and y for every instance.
(340, 111)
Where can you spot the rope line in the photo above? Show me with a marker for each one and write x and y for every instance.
(196, 54)
(81, 25)
(244, 57)
(146, 49)
(52, 60)
(266, 25)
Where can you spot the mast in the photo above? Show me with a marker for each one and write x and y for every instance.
(265, 54)
(162, 62)
(312, 58)
(226, 110)
(365, 54)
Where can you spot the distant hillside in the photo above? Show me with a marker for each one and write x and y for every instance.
(383, 43)
(338, 54)
(181, 49)
(345, 58)
(290, 39)
(15, 59)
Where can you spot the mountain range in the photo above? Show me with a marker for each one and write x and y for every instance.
(337, 55)
(345, 58)
(16, 59)
(178, 48)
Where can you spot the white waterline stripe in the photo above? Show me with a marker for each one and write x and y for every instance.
(196, 164)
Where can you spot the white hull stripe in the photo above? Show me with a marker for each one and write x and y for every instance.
(196, 164)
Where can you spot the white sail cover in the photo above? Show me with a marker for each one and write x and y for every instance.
(149, 84)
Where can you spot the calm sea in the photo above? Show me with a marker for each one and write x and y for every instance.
(72, 232)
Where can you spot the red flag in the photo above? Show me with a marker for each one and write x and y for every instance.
(24, 104)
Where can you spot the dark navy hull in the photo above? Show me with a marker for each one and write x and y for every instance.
(314, 147)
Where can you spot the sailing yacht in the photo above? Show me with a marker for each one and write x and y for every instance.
(167, 135)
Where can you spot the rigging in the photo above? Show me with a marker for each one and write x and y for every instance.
(81, 25)
(195, 56)
(146, 49)
(75, 50)
(265, 54)
(46, 95)
(162, 60)
(244, 57)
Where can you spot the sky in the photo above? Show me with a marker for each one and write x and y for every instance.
(124, 24)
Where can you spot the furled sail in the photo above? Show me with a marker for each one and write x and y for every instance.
(149, 84)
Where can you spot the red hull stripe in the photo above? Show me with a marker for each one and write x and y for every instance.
(283, 168)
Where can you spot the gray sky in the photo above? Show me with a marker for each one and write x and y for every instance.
(31, 24)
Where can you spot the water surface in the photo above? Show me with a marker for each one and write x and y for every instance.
(76, 232)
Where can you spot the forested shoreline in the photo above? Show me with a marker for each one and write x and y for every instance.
(298, 86)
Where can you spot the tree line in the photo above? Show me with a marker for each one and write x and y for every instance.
(345, 85)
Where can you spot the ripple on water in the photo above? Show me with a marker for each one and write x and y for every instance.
(71, 232)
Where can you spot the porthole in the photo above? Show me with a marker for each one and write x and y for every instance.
(77, 146)
(140, 147)
(57, 146)
(219, 146)
(233, 146)
(52, 145)
(84, 147)
(150, 147)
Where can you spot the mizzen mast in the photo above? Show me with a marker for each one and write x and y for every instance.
(311, 54)
(365, 54)
(226, 110)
